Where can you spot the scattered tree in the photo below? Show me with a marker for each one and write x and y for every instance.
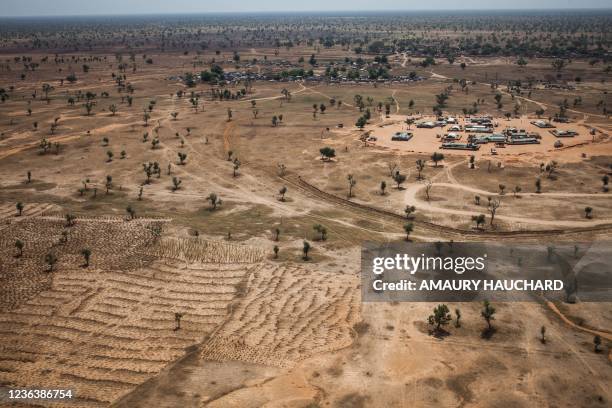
(487, 314)
(50, 260)
(408, 228)
(440, 317)
(215, 201)
(19, 246)
(86, 252)
(305, 250)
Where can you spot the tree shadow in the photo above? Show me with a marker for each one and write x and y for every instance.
(439, 333)
(487, 333)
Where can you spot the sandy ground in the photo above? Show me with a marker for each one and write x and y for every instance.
(426, 141)
(257, 330)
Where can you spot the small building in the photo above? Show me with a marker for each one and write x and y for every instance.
(459, 146)
(427, 125)
(402, 136)
(564, 133)
(543, 124)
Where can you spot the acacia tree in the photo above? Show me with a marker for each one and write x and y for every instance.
(399, 179)
(176, 183)
(86, 252)
(437, 157)
(321, 230)
(177, 320)
(236, 167)
(351, 182)
(597, 343)
(493, 206)
(282, 192)
(428, 186)
(420, 165)
(383, 186)
(408, 228)
(19, 246)
(70, 219)
(131, 212)
(50, 260)
(487, 314)
(305, 250)
(440, 317)
(327, 153)
(214, 201)
(479, 220)
(393, 167)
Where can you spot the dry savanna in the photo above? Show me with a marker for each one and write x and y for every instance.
(183, 202)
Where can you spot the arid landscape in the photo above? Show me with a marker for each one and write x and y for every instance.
(183, 202)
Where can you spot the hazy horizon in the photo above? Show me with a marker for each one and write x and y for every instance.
(59, 8)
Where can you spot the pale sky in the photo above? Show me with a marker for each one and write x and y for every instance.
(10, 8)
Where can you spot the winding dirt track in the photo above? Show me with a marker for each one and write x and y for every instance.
(445, 231)
(412, 199)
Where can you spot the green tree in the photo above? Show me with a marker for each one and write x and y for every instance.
(50, 260)
(479, 220)
(282, 192)
(440, 317)
(176, 183)
(19, 246)
(321, 230)
(399, 179)
(488, 313)
(361, 122)
(131, 211)
(86, 252)
(437, 157)
(305, 250)
(327, 153)
(597, 343)
(409, 211)
(215, 201)
(408, 228)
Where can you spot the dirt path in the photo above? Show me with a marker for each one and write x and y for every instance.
(542, 105)
(411, 199)
(397, 105)
(27, 146)
(270, 98)
(440, 231)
